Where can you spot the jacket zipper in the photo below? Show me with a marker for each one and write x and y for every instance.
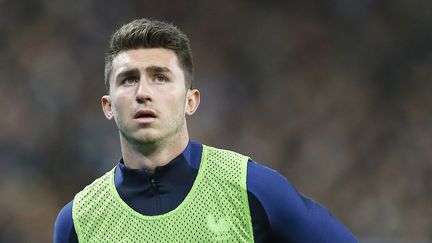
(153, 185)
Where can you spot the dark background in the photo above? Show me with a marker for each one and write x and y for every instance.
(334, 94)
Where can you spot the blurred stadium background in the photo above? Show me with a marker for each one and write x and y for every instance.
(336, 95)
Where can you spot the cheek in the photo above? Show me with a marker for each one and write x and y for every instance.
(173, 110)
(179, 104)
(120, 105)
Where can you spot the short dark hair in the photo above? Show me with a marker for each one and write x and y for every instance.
(148, 33)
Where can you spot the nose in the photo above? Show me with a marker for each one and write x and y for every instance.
(144, 92)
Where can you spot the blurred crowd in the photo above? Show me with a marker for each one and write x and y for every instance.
(333, 94)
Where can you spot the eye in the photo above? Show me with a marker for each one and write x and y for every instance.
(129, 81)
(160, 79)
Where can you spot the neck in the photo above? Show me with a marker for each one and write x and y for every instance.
(150, 155)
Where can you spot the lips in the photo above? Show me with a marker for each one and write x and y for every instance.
(145, 116)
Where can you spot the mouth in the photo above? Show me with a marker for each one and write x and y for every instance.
(145, 116)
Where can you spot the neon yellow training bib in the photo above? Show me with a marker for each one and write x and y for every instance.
(215, 210)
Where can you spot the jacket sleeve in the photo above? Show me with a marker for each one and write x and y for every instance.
(292, 216)
(64, 231)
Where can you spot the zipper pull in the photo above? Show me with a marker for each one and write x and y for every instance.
(153, 183)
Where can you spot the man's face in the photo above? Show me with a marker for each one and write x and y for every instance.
(148, 97)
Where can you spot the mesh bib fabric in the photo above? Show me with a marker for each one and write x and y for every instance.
(215, 210)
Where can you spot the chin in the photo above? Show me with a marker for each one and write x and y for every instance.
(141, 137)
(147, 138)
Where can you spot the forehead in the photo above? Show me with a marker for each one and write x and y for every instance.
(145, 57)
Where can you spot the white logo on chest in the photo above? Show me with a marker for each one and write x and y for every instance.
(220, 227)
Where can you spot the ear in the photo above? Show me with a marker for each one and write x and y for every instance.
(106, 106)
(192, 101)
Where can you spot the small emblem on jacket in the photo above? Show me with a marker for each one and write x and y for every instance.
(220, 227)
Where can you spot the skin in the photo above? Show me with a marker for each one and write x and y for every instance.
(150, 80)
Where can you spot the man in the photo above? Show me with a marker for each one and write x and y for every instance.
(167, 188)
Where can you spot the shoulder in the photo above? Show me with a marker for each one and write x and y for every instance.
(64, 230)
(222, 152)
(291, 215)
(274, 191)
(96, 186)
(226, 160)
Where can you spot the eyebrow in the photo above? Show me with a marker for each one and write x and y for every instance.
(158, 69)
(149, 69)
(127, 73)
